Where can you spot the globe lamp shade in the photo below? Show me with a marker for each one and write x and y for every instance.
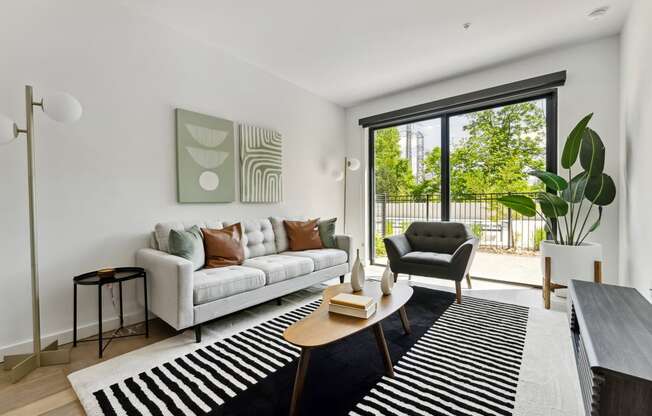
(62, 107)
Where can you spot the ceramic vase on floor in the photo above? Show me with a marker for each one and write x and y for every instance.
(357, 274)
(387, 281)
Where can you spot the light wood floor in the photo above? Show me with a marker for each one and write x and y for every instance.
(46, 391)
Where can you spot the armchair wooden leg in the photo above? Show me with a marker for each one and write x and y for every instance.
(458, 291)
(546, 283)
(395, 277)
(342, 279)
(468, 280)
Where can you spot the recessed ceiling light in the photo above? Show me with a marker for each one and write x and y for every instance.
(466, 25)
(598, 13)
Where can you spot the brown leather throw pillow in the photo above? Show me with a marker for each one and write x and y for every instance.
(303, 235)
(223, 247)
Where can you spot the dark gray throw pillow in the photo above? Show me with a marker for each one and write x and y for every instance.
(327, 232)
(188, 244)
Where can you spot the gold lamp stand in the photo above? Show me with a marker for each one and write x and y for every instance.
(18, 366)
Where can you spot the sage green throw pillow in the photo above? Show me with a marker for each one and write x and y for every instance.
(327, 232)
(188, 244)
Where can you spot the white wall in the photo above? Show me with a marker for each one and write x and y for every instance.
(592, 86)
(105, 181)
(636, 148)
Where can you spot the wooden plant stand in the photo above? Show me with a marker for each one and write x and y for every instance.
(549, 287)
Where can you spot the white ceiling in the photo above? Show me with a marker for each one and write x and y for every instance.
(348, 51)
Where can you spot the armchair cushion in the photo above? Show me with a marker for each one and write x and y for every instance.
(428, 258)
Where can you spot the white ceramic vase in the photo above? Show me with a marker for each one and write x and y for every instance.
(387, 281)
(357, 274)
(570, 262)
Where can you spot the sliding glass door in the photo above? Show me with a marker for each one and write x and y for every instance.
(454, 167)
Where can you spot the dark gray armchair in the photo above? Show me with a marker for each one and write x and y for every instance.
(443, 250)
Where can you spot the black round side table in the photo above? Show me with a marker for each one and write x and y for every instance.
(103, 277)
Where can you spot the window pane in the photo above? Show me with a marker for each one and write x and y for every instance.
(407, 168)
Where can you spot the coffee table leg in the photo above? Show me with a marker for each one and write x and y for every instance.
(384, 351)
(404, 320)
(299, 379)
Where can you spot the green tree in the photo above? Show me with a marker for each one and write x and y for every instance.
(431, 185)
(393, 173)
(503, 144)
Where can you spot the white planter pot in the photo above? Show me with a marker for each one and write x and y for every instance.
(570, 262)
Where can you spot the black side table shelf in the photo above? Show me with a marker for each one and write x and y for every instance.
(121, 274)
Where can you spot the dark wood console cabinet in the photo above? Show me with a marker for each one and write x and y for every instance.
(611, 329)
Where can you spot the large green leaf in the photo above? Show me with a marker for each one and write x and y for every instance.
(601, 189)
(522, 204)
(551, 205)
(572, 146)
(592, 152)
(575, 191)
(552, 181)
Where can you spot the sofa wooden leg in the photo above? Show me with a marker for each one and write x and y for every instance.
(197, 333)
(342, 279)
(279, 301)
(395, 277)
(468, 280)
(458, 291)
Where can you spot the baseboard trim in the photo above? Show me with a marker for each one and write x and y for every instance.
(65, 336)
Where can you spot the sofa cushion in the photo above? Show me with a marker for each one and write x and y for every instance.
(257, 237)
(279, 267)
(327, 232)
(280, 235)
(214, 284)
(223, 247)
(162, 230)
(303, 235)
(427, 258)
(322, 258)
(189, 245)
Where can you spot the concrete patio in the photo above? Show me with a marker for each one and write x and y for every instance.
(503, 267)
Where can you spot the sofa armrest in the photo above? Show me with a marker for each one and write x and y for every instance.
(345, 242)
(396, 246)
(462, 259)
(170, 286)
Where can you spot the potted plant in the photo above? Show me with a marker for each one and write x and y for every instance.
(571, 209)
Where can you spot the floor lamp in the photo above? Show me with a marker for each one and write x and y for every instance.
(349, 164)
(64, 108)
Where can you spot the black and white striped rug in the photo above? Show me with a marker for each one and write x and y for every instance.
(459, 360)
(201, 381)
(467, 364)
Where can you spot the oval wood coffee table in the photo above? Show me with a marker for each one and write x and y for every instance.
(321, 327)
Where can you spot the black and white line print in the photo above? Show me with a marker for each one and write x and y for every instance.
(261, 165)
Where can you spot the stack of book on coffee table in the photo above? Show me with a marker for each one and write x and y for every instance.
(352, 305)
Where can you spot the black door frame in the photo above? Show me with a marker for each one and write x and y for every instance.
(550, 97)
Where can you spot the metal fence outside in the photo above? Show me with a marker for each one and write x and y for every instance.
(497, 227)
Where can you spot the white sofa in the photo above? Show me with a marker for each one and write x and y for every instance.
(185, 298)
